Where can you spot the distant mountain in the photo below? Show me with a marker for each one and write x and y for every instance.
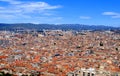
(30, 26)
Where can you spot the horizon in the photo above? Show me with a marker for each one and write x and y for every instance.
(87, 12)
(63, 24)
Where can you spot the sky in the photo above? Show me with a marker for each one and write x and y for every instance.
(91, 12)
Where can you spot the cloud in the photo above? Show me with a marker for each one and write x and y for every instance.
(109, 13)
(1, 8)
(11, 1)
(28, 10)
(28, 7)
(85, 17)
(6, 16)
(36, 6)
(112, 14)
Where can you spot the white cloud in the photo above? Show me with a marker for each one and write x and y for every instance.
(109, 13)
(112, 14)
(85, 17)
(117, 16)
(1, 8)
(28, 7)
(36, 6)
(27, 10)
(6, 16)
(11, 1)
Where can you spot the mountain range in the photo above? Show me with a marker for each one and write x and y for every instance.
(38, 27)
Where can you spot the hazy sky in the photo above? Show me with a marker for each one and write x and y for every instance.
(105, 12)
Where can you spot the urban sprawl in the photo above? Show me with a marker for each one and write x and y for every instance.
(60, 53)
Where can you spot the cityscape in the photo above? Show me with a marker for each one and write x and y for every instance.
(59, 38)
(60, 53)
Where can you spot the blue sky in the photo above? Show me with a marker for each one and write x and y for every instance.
(92, 12)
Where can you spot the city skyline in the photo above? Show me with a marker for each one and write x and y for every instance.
(92, 12)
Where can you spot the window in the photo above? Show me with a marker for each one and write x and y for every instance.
(83, 73)
(116, 75)
(93, 74)
(88, 74)
(76, 74)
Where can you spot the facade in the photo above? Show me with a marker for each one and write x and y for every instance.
(83, 72)
(91, 72)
